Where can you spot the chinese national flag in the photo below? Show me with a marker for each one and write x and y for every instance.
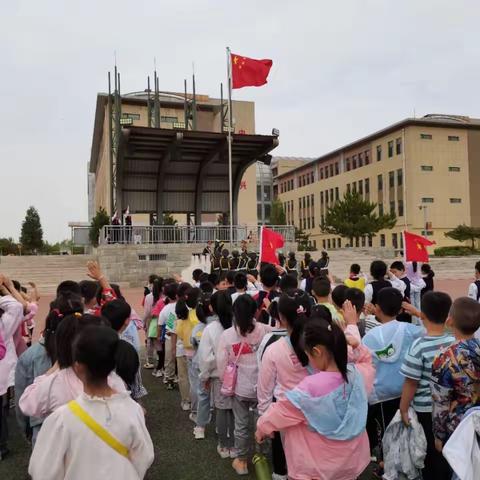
(248, 72)
(269, 242)
(416, 247)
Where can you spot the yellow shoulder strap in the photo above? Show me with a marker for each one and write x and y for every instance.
(97, 429)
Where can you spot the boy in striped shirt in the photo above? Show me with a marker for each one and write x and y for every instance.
(417, 369)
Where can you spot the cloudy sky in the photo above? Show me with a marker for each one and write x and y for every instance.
(341, 70)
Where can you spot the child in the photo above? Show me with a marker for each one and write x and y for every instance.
(321, 289)
(196, 275)
(238, 344)
(357, 298)
(427, 274)
(151, 310)
(417, 369)
(355, 279)
(269, 280)
(284, 363)
(291, 265)
(307, 282)
(388, 343)
(323, 418)
(474, 288)
(81, 451)
(456, 371)
(209, 375)
(89, 294)
(378, 271)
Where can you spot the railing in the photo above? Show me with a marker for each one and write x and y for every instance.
(124, 234)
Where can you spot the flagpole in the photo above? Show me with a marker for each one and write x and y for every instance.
(230, 179)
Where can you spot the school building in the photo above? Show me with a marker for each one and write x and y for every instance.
(425, 170)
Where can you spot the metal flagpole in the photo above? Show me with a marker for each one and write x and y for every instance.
(230, 179)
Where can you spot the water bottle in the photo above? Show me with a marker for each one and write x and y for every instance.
(262, 467)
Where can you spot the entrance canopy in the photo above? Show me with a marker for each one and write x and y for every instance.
(183, 171)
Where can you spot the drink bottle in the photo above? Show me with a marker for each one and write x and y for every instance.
(262, 468)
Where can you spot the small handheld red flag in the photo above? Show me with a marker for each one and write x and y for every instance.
(248, 72)
(269, 242)
(416, 247)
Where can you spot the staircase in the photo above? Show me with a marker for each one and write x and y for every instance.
(46, 271)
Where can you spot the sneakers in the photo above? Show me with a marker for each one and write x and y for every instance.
(185, 406)
(240, 466)
(233, 453)
(223, 452)
(277, 476)
(157, 373)
(193, 417)
(199, 433)
(149, 366)
(175, 379)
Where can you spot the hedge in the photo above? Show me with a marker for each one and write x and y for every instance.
(455, 251)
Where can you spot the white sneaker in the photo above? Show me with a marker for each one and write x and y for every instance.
(223, 452)
(149, 366)
(157, 373)
(277, 476)
(193, 417)
(199, 433)
(185, 406)
(233, 453)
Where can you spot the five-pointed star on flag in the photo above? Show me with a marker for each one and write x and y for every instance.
(236, 60)
(419, 246)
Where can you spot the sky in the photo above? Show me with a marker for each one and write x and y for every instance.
(341, 70)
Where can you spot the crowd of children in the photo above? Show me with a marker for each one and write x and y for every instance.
(311, 371)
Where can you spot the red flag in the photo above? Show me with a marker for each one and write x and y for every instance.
(416, 247)
(269, 242)
(248, 72)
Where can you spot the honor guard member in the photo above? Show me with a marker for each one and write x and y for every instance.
(291, 265)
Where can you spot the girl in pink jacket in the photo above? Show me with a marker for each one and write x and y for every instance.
(323, 419)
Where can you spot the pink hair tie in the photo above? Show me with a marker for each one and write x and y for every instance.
(300, 310)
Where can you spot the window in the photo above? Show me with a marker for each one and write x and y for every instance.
(135, 116)
(308, 201)
(391, 179)
(321, 198)
(453, 169)
(331, 169)
(337, 193)
(382, 239)
(326, 171)
(321, 173)
(370, 241)
(331, 195)
(312, 200)
(354, 162)
(367, 186)
(169, 119)
(379, 153)
(398, 146)
(400, 208)
(392, 206)
(380, 208)
(455, 200)
(337, 170)
(367, 157)
(308, 223)
(399, 177)
(324, 243)
(357, 242)
(360, 187)
(354, 187)
(390, 149)
(312, 177)
(394, 240)
(360, 159)
(348, 187)
(453, 138)
(299, 203)
(339, 242)
(380, 183)
(425, 136)
(427, 168)
(347, 164)
(328, 244)
(363, 241)
(427, 200)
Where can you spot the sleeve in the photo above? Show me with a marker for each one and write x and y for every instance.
(303, 285)
(473, 291)
(147, 309)
(141, 450)
(398, 284)
(3, 348)
(353, 331)
(362, 358)
(33, 402)
(12, 316)
(413, 364)
(267, 377)
(47, 463)
(279, 416)
(368, 293)
(22, 380)
(417, 285)
(221, 354)
(206, 356)
(442, 390)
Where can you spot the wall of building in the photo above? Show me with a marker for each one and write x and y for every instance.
(474, 174)
(102, 176)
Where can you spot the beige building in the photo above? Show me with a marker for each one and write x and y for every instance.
(134, 112)
(426, 170)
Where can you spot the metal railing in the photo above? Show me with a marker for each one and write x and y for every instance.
(124, 234)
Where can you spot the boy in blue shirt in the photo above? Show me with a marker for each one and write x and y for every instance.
(417, 369)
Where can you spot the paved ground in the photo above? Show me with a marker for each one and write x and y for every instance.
(177, 454)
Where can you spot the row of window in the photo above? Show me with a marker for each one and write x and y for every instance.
(306, 179)
(428, 136)
(286, 186)
(329, 170)
(333, 194)
(394, 208)
(429, 168)
(431, 200)
(391, 147)
(391, 179)
(361, 183)
(288, 209)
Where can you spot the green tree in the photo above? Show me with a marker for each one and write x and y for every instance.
(464, 233)
(8, 246)
(168, 219)
(353, 217)
(277, 215)
(100, 219)
(31, 237)
(303, 240)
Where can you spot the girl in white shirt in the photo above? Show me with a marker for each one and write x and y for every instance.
(118, 444)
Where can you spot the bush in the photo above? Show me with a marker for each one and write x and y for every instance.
(455, 251)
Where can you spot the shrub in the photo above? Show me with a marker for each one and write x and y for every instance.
(455, 251)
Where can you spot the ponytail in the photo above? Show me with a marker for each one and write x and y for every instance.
(321, 330)
(127, 362)
(157, 289)
(221, 303)
(203, 309)
(244, 310)
(295, 307)
(181, 310)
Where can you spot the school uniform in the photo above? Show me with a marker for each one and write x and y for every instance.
(474, 290)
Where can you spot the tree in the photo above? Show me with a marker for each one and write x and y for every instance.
(277, 215)
(464, 233)
(353, 217)
(100, 219)
(168, 219)
(303, 240)
(8, 246)
(31, 237)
